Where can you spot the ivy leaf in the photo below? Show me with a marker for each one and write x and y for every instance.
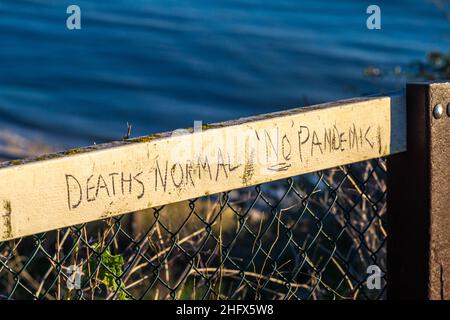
(109, 269)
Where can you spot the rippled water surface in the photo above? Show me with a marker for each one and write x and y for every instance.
(162, 64)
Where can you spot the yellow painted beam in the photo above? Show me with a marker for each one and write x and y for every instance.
(78, 186)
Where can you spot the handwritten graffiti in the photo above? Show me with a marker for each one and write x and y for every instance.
(236, 155)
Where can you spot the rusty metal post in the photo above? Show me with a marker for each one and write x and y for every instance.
(419, 199)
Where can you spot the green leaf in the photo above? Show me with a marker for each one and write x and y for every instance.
(109, 269)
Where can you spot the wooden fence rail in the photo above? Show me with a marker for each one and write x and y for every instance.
(101, 181)
(88, 184)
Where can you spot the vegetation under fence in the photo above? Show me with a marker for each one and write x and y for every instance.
(307, 237)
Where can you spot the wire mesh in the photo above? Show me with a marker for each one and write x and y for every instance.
(307, 237)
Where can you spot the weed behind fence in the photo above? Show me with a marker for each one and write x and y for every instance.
(306, 237)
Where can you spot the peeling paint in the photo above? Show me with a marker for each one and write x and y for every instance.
(72, 152)
(143, 139)
(249, 169)
(6, 216)
(16, 162)
(48, 157)
(379, 140)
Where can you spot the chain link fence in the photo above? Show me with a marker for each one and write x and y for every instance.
(307, 237)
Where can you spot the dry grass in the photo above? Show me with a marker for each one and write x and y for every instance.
(309, 238)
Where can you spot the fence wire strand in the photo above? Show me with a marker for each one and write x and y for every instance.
(307, 237)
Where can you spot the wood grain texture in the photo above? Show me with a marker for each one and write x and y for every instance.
(101, 181)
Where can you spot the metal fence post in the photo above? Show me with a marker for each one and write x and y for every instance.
(419, 199)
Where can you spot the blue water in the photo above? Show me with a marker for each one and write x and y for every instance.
(161, 64)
